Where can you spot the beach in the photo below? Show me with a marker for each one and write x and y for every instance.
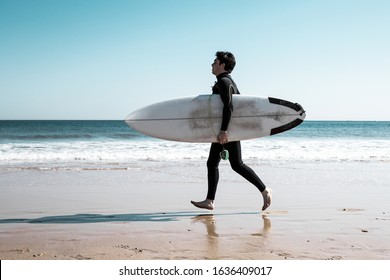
(320, 211)
(98, 190)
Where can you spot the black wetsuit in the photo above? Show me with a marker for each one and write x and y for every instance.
(225, 87)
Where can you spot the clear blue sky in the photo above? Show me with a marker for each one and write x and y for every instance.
(95, 59)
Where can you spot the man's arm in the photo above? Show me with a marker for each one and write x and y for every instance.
(226, 91)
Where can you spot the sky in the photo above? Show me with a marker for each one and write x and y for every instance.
(101, 60)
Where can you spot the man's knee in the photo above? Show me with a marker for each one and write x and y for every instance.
(211, 164)
(237, 166)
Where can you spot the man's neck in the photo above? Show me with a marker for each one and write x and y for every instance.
(222, 74)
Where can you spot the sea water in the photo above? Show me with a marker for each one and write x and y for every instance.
(112, 144)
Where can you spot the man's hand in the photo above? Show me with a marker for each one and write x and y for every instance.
(223, 137)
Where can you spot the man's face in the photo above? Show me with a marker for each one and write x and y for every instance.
(217, 67)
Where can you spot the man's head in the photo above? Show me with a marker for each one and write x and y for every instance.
(224, 62)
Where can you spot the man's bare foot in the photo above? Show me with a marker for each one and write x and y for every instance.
(205, 204)
(267, 197)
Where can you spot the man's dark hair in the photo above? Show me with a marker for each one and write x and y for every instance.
(228, 59)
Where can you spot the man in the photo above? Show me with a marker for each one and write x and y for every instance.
(223, 65)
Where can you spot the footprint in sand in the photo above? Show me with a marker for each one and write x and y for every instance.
(351, 210)
(81, 257)
(275, 212)
(335, 258)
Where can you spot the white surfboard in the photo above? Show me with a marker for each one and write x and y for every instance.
(198, 119)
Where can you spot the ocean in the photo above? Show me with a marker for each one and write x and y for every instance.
(80, 145)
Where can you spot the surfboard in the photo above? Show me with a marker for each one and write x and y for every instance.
(198, 119)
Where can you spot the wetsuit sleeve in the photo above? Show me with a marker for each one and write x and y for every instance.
(226, 89)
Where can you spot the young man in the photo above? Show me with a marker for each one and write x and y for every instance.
(225, 86)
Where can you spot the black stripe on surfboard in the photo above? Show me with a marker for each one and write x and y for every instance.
(294, 106)
(286, 127)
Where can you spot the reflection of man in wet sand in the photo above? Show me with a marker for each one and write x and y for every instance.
(266, 226)
(209, 222)
(212, 241)
(212, 236)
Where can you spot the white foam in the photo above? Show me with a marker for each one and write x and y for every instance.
(268, 149)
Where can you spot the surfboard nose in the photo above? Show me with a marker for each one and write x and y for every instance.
(301, 111)
(301, 115)
(295, 106)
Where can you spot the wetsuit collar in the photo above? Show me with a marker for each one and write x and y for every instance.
(224, 74)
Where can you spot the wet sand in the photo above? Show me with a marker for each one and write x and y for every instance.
(145, 213)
